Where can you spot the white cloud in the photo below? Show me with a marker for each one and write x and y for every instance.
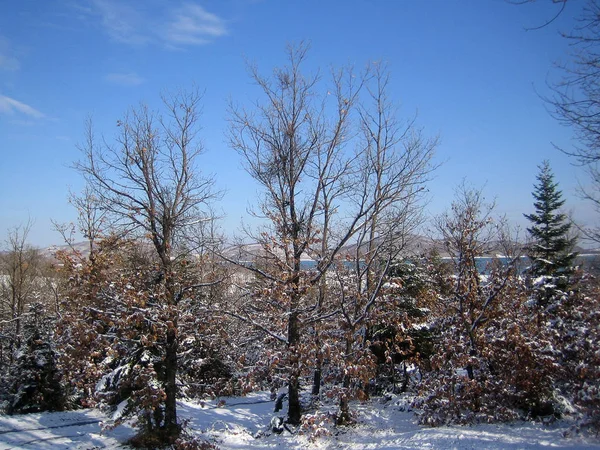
(7, 59)
(133, 24)
(122, 22)
(192, 24)
(124, 79)
(11, 106)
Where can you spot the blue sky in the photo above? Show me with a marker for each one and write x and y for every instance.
(470, 69)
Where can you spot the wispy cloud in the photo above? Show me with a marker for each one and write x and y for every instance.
(191, 24)
(124, 79)
(7, 60)
(121, 21)
(185, 24)
(11, 106)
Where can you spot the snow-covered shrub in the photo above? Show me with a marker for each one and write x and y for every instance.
(109, 333)
(454, 398)
(34, 380)
(206, 365)
(401, 335)
(498, 371)
(185, 441)
(317, 425)
(493, 361)
(573, 319)
(375, 332)
(114, 330)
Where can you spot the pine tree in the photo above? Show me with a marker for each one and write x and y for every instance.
(34, 379)
(551, 249)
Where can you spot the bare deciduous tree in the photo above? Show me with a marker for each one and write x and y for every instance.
(393, 165)
(148, 186)
(19, 268)
(291, 148)
(469, 231)
(575, 99)
(318, 195)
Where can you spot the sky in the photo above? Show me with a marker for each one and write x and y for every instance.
(473, 71)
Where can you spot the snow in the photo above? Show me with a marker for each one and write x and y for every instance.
(243, 422)
(58, 431)
(119, 410)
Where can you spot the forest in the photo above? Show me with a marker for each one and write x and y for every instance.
(157, 305)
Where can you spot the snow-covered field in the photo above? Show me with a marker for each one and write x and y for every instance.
(243, 422)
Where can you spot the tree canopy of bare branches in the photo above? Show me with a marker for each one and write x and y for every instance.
(147, 185)
(335, 167)
(575, 99)
(20, 269)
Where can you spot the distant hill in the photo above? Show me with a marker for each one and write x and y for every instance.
(415, 245)
(82, 247)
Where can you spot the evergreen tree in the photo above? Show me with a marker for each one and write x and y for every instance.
(34, 380)
(551, 249)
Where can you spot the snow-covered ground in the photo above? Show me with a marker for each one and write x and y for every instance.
(243, 422)
(65, 430)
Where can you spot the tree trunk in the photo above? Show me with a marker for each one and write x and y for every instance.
(316, 389)
(406, 378)
(472, 352)
(170, 425)
(344, 415)
(294, 410)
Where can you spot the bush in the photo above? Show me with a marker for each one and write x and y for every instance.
(34, 380)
